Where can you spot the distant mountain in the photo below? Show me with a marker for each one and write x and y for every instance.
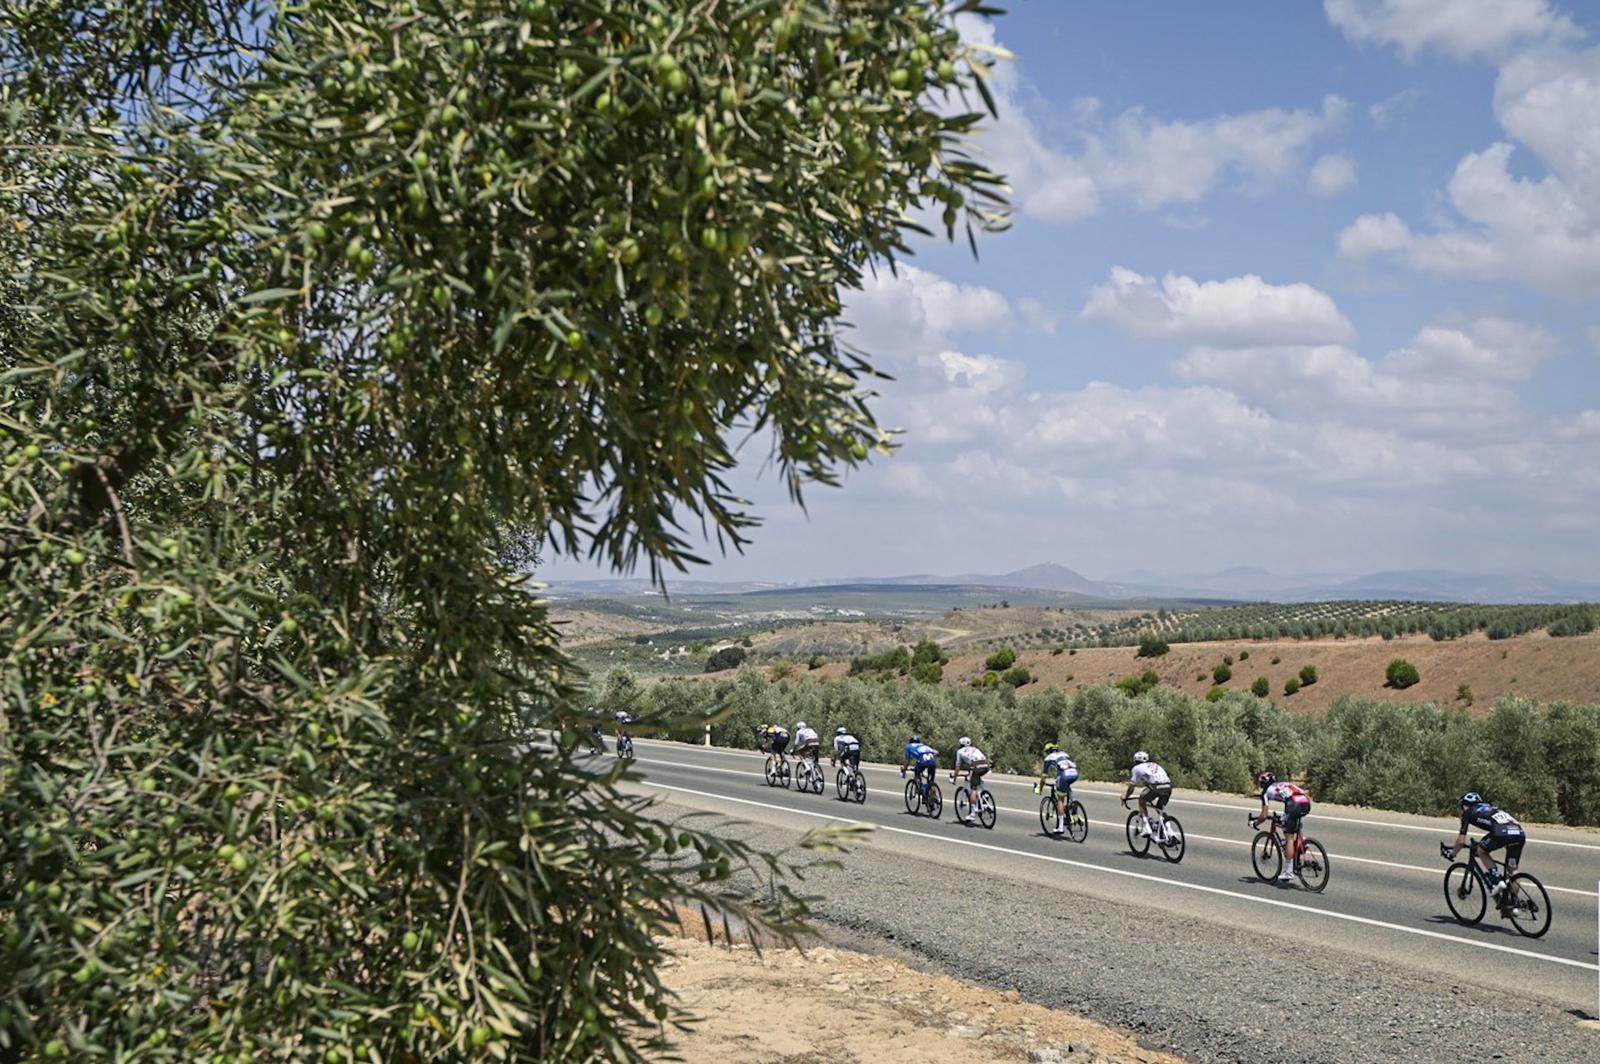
(1242, 583)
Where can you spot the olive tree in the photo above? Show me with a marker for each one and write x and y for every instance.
(319, 321)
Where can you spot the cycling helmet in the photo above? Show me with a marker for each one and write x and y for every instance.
(1266, 779)
(916, 738)
(800, 726)
(1049, 747)
(1140, 758)
(841, 730)
(963, 741)
(1471, 798)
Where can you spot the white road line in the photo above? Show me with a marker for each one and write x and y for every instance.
(1234, 807)
(1187, 834)
(1148, 878)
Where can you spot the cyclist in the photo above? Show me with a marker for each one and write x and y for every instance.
(1157, 790)
(623, 719)
(846, 748)
(974, 763)
(806, 743)
(1503, 831)
(1296, 804)
(773, 739)
(1059, 764)
(922, 759)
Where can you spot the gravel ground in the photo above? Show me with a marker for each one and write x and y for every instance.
(1200, 991)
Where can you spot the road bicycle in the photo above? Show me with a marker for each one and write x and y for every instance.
(923, 794)
(986, 809)
(850, 783)
(625, 747)
(1077, 818)
(1168, 835)
(777, 771)
(807, 775)
(597, 741)
(1522, 898)
(1266, 855)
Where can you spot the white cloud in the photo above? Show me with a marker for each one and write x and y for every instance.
(980, 373)
(1533, 231)
(1037, 316)
(1332, 175)
(1549, 100)
(1460, 28)
(1134, 156)
(1388, 109)
(1239, 311)
(914, 314)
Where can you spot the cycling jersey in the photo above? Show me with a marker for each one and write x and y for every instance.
(1285, 792)
(623, 718)
(846, 744)
(805, 737)
(1150, 774)
(921, 754)
(1065, 771)
(970, 757)
(1496, 822)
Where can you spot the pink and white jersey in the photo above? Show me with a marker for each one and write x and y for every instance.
(1285, 792)
(968, 756)
(1150, 774)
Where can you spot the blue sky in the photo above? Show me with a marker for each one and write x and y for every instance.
(1304, 286)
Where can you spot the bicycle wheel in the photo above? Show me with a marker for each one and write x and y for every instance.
(783, 774)
(771, 772)
(1266, 856)
(1139, 844)
(1047, 814)
(1172, 841)
(986, 811)
(913, 797)
(935, 801)
(1527, 904)
(963, 803)
(1077, 821)
(1313, 867)
(817, 782)
(839, 784)
(1465, 893)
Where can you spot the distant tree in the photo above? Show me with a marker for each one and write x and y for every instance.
(1151, 647)
(725, 658)
(1260, 687)
(745, 642)
(1001, 660)
(1017, 676)
(1401, 674)
(1221, 674)
(1308, 675)
(927, 651)
(929, 672)
(1244, 655)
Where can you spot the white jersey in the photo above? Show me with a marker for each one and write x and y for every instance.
(969, 757)
(805, 736)
(1057, 762)
(846, 744)
(1150, 774)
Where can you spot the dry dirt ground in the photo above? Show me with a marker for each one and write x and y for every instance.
(785, 1006)
(578, 627)
(1533, 666)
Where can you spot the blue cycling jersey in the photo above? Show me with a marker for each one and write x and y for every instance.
(921, 753)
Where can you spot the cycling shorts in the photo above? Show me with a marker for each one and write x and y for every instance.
(1158, 795)
(1293, 813)
(779, 743)
(1065, 780)
(1511, 843)
(978, 770)
(929, 767)
(810, 750)
(850, 756)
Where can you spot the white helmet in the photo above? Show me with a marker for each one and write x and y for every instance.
(800, 726)
(1140, 758)
(964, 741)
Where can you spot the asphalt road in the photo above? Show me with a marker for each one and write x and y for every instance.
(1383, 911)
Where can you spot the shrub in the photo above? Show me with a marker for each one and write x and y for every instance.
(1227, 659)
(987, 679)
(1016, 676)
(1260, 687)
(1133, 686)
(746, 643)
(1244, 655)
(1151, 647)
(927, 672)
(1401, 674)
(1308, 675)
(1464, 694)
(1221, 674)
(1291, 685)
(815, 661)
(896, 660)
(1072, 651)
(725, 658)
(1055, 652)
(1000, 660)
(1276, 659)
(1216, 694)
(927, 651)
